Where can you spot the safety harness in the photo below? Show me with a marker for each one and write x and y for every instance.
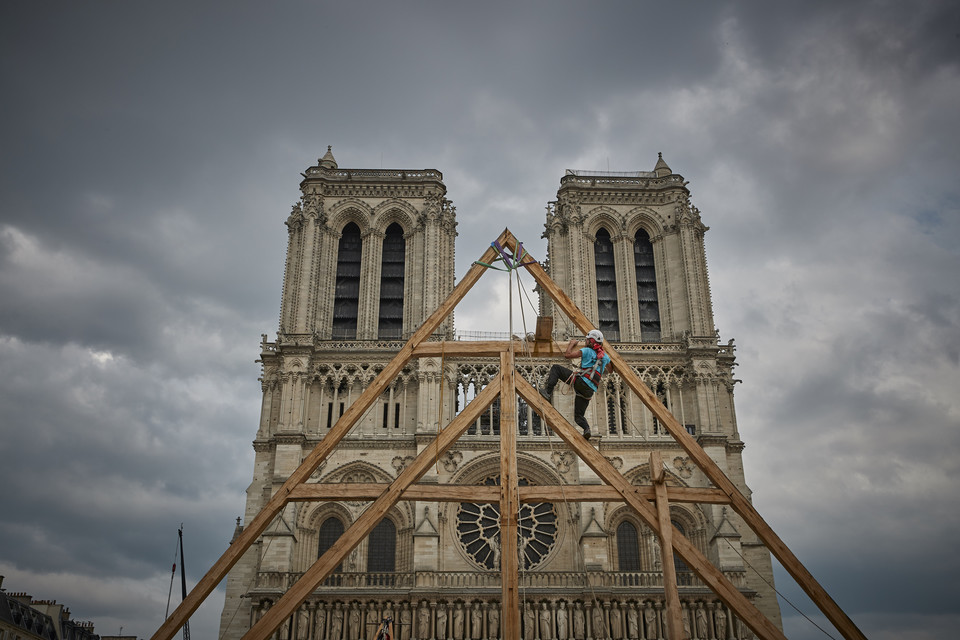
(594, 373)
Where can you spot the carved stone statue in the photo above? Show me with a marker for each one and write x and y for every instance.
(458, 622)
(701, 620)
(321, 620)
(336, 622)
(562, 621)
(303, 623)
(597, 627)
(616, 622)
(633, 623)
(476, 622)
(373, 622)
(353, 624)
(721, 625)
(546, 630)
(406, 621)
(529, 622)
(493, 622)
(442, 621)
(423, 622)
(650, 622)
(578, 623)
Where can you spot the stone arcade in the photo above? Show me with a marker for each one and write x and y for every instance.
(369, 257)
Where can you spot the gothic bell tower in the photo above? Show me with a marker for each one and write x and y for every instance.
(628, 248)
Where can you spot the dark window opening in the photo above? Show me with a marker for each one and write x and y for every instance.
(684, 575)
(382, 548)
(609, 315)
(330, 532)
(628, 548)
(346, 300)
(646, 287)
(391, 283)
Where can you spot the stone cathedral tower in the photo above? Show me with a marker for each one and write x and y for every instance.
(369, 257)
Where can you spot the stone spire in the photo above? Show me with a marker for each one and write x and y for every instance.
(328, 161)
(662, 169)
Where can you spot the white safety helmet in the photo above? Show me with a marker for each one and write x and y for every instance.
(596, 336)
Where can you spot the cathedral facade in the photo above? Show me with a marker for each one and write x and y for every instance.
(369, 257)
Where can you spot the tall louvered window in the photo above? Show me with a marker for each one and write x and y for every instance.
(391, 283)
(609, 317)
(346, 301)
(330, 532)
(628, 549)
(382, 548)
(646, 287)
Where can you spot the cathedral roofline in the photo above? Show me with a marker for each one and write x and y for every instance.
(661, 176)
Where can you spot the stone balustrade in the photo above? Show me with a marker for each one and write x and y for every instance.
(280, 581)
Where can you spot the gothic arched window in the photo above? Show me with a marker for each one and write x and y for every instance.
(628, 548)
(391, 283)
(609, 317)
(646, 287)
(684, 575)
(346, 300)
(330, 532)
(382, 548)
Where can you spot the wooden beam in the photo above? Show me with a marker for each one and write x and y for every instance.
(738, 501)
(318, 492)
(487, 349)
(690, 554)
(346, 422)
(509, 502)
(674, 623)
(363, 525)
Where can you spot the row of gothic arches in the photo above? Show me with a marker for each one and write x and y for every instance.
(633, 547)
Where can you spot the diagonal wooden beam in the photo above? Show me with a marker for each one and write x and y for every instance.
(342, 427)
(738, 501)
(711, 576)
(363, 525)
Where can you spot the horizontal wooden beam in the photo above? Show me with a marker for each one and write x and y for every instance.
(485, 349)
(486, 493)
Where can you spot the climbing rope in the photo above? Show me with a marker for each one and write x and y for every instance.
(547, 434)
(785, 599)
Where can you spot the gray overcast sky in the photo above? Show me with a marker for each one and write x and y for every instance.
(151, 152)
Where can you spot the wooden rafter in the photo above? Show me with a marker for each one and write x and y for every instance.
(509, 495)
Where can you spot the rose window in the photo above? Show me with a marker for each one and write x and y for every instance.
(478, 529)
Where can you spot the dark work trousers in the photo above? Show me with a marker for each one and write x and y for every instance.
(584, 393)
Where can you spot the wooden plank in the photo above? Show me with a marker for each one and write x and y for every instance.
(363, 525)
(738, 501)
(509, 502)
(690, 554)
(674, 622)
(346, 422)
(485, 349)
(316, 492)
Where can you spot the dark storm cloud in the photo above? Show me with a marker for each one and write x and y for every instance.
(150, 154)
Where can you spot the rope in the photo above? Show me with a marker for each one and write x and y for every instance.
(785, 599)
(547, 431)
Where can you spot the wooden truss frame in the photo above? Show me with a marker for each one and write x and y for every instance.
(650, 503)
